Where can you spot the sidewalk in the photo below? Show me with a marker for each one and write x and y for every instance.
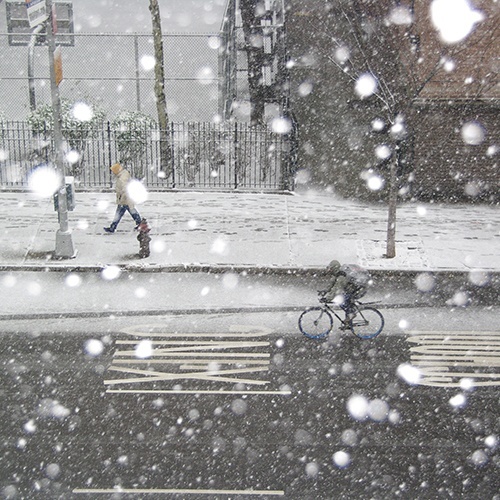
(267, 232)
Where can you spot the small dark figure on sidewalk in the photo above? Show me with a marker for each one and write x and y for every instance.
(123, 200)
(143, 238)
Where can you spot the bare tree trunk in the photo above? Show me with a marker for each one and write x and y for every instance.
(255, 56)
(390, 252)
(161, 102)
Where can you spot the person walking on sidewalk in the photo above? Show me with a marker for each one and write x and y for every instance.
(123, 200)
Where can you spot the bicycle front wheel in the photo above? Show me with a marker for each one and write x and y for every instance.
(367, 323)
(316, 322)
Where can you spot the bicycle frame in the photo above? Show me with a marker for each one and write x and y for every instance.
(326, 305)
(361, 319)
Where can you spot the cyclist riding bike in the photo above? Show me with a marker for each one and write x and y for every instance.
(344, 289)
(348, 283)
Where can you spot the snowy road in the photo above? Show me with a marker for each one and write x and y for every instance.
(240, 406)
(32, 294)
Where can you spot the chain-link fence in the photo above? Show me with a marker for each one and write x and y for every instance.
(116, 72)
(201, 155)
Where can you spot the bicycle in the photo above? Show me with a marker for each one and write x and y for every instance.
(364, 320)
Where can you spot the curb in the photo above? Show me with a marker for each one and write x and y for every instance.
(236, 268)
(180, 312)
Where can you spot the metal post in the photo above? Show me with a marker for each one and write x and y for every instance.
(236, 155)
(31, 65)
(137, 73)
(64, 242)
(109, 152)
(172, 136)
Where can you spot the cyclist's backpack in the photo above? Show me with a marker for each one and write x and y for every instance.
(358, 277)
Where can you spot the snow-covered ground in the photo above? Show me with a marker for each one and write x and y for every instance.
(303, 231)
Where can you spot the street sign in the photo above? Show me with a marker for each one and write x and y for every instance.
(58, 65)
(37, 12)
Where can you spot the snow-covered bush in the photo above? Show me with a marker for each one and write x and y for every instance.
(80, 122)
(133, 134)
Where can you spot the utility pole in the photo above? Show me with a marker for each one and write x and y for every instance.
(31, 65)
(64, 242)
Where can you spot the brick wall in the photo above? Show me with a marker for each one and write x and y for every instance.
(446, 167)
(337, 143)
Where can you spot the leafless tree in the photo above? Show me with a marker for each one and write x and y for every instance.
(254, 46)
(382, 40)
(161, 102)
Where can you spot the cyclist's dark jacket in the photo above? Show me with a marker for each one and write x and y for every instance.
(341, 284)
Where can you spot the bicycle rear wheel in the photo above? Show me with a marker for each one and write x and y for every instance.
(316, 322)
(367, 323)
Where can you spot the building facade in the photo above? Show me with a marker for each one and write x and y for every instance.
(447, 92)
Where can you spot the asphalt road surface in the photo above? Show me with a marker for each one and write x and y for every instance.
(243, 406)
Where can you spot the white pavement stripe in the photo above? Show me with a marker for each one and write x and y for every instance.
(197, 391)
(197, 342)
(462, 340)
(173, 491)
(458, 355)
(467, 362)
(192, 361)
(198, 354)
(434, 373)
(418, 336)
(460, 344)
(203, 347)
(195, 335)
(449, 383)
(241, 331)
(438, 355)
(215, 375)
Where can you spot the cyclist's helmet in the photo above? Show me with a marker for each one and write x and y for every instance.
(334, 266)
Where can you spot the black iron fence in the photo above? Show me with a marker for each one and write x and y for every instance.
(199, 155)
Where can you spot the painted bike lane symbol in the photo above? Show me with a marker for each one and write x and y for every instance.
(162, 362)
(450, 359)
